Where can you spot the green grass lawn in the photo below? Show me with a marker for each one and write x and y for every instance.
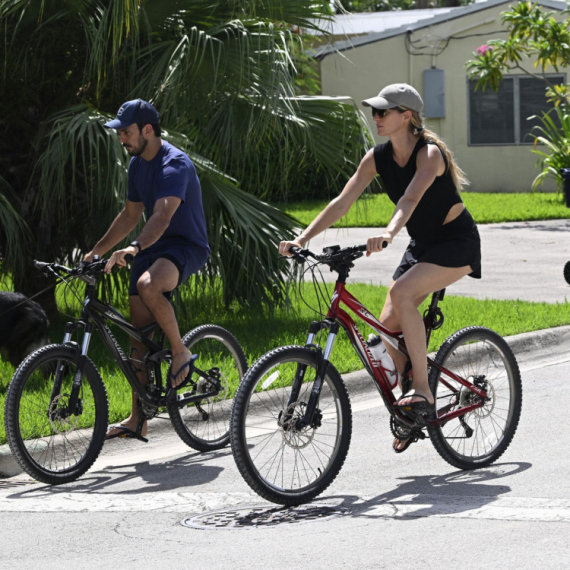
(375, 210)
(259, 332)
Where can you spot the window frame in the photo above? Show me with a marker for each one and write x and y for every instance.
(516, 109)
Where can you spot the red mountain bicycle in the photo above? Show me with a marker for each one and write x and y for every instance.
(291, 422)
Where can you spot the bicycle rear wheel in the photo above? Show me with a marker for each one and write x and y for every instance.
(205, 425)
(477, 438)
(51, 442)
(280, 460)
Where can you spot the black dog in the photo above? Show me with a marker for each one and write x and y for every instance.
(23, 327)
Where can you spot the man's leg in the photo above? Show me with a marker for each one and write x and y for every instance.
(140, 317)
(162, 276)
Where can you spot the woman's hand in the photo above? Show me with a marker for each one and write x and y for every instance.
(285, 246)
(374, 244)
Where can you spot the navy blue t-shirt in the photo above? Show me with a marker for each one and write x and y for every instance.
(170, 173)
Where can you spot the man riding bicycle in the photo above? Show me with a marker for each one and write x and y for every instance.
(172, 245)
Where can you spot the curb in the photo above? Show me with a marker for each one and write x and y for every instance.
(536, 346)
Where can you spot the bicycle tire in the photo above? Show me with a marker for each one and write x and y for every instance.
(472, 352)
(55, 449)
(216, 347)
(567, 272)
(309, 458)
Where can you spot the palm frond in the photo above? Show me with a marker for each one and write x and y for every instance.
(14, 233)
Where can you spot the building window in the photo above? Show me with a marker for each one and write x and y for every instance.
(501, 117)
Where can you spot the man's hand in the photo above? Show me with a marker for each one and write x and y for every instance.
(118, 257)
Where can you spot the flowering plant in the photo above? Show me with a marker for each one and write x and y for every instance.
(482, 50)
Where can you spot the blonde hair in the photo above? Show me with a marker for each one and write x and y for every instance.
(418, 128)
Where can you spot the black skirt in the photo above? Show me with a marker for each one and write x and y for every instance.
(456, 244)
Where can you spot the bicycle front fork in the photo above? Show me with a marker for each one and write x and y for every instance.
(323, 362)
(74, 400)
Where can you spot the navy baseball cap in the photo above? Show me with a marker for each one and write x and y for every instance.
(136, 111)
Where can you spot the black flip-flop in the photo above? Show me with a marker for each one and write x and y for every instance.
(409, 442)
(416, 411)
(124, 432)
(186, 381)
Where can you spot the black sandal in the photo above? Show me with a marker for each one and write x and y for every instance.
(409, 442)
(418, 412)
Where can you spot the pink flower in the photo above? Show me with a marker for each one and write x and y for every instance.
(482, 50)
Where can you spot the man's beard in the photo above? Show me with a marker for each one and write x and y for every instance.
(137, 151)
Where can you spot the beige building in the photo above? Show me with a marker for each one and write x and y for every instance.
(487, 131)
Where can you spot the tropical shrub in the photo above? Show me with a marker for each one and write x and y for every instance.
(225, 78)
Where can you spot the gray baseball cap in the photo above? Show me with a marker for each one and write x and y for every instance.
(396, 95)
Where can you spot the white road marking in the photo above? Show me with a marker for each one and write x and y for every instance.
(480, 507)
(405, 506)
(162, 501)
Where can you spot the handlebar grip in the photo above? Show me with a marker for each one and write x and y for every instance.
(40, 264)
(129, 257)
(364, 247)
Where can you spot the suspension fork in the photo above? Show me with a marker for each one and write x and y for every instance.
(322, 366)
(81, 359)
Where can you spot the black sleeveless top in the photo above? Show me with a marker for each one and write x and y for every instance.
(428, 217)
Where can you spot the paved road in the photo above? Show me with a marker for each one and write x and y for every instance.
(128, 510)
(522, 260)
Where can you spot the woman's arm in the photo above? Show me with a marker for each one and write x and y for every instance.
(339, 206)
(429, 164)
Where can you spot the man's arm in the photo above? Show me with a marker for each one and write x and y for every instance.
(155, 226)
(121, 227)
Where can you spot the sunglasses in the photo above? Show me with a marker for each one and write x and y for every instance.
(382, 112)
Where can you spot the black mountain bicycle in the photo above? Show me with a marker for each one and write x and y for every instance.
(56, 411)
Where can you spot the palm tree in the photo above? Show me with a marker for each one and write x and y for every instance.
(223, 76)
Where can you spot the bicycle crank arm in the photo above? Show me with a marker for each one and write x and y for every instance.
(190, 397)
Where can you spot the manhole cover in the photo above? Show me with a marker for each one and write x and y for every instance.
(258, 516)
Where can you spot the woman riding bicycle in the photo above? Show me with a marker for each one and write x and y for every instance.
(422, 179)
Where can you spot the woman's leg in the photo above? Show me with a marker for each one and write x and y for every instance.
(389, 319)
(416, 284)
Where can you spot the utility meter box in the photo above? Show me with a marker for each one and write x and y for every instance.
(434, 93)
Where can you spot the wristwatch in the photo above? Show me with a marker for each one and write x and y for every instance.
(137, 245)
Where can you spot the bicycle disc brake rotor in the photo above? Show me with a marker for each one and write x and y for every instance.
(288, 422)
(60, 419)
(468, 398)
(487, 409)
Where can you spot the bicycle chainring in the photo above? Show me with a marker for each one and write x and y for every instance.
(399, 431)
(147, 411)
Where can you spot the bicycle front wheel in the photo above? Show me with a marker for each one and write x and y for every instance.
(52, 442)
(477, 438)
(205, 425)
(282, 460)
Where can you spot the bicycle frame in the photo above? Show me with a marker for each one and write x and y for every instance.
(96, 313)
(336, 315)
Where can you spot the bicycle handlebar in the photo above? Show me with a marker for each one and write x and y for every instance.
(332, 253)
(83, 268)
